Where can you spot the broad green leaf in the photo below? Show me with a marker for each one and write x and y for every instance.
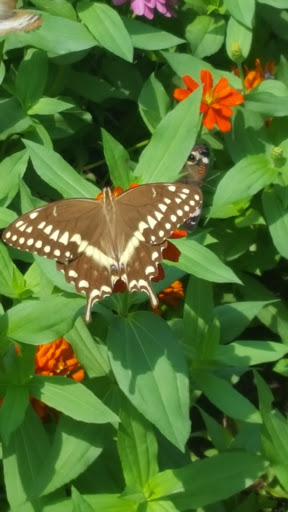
(277, 4)
(31, 77)
(13, 119)
(264, 101)
(201, 262)
(23, 458)
(198, 317)
(118, 160)
(12, 170)
(72, 398)
(6, 217)
(171, 142)
(205, 36)
(48, 106)
(248, 127)
(145, 360)
(235, 317)
(53, 169)
(255, 171)
(220, 436)
(111, 503)
(48, 268)
(90, 354)
(222, 394)
(208, 481)
(147, 37)
(93, 88)
(239, 37)
(61, 8)
(242, 10)
(11, 280)
(275, 435)
(68, 36)
(246, 353)
(42, 321)
(158, 506)
(79, 503)
(107, 27)
(277, 220)
(75, 446)
(153, 102)
(184, 64)
(137, 447)
(12, 410)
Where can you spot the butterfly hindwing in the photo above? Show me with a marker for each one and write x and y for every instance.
(98, 243)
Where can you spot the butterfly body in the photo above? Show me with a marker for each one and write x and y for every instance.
(98, 243)
(16, 20)
(196, 168)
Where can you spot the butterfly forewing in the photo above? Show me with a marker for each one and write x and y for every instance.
(98, 243)
(16, 20)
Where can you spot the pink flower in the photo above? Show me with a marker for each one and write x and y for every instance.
(146, 7)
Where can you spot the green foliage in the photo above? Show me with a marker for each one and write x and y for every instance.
(187, 410)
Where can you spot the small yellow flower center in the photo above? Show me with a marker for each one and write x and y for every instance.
(209, 98)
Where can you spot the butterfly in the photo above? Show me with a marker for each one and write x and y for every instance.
(99, 243)
(195, 168)
(15, 20)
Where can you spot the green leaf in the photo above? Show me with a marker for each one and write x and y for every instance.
(277, 219)
(75, 446)
(147, 37)
(171, 142)
(11, 279)
(48, 106)
(31, 77)
(107, 27)
(201, 262)
(48, 268)
(275, 435)
(111, 503)
(238, 37)
(72, 398)
(264, 100)
(208, 481)
(277, 4)
(53, 169)
(13, 410)
(90, 354)
(13, 119)
(255, 171)
(246, 353)
(198, 317)
(153, 102)
(79, 503)
(143, 363)
(222, 394)
(234, 318)
(158, 506)
(242, 10)
(61, 8)
(184, 64)
(42, 321)
(68, 36)
(118, 160)
(6, 217)
(205, 36)
(137, 447)
(23, 458)
(12, 170)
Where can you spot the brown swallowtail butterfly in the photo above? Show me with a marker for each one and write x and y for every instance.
(97, 243)
(196, 169)
(16, 20)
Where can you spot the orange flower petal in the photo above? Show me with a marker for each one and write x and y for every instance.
(222, 84)
(117, 191)
(190, 83)
(209, 119)
(223, 124)
(171, 252)
(178, 233)
(206, 79)
(181, 94)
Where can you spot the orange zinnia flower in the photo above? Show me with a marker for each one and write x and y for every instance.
(216, 101)
(255, 76)
(58, 358)
(172, 295)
